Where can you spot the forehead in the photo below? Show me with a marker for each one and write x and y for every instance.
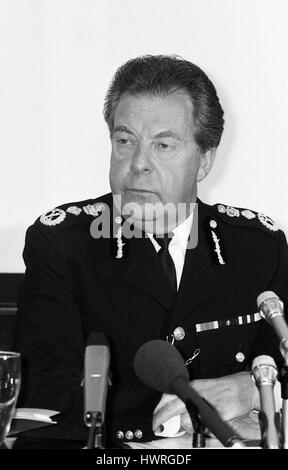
(172, 112)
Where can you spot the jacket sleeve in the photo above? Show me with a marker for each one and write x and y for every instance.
(48, 332)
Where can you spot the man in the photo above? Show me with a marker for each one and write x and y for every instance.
(165, 122)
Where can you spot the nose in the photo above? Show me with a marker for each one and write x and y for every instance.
(141, 161)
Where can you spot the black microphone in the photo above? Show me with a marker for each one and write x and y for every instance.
(96, 368)
(271, 309)
(160, 366)
(265, 374)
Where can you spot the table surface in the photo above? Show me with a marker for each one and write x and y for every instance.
(247, 427)
(183, 442)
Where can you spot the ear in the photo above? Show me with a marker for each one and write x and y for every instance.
(206, 160)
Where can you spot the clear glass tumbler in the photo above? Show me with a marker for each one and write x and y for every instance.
(10, 380)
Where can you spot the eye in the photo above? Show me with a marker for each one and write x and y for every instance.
(122, 141)
(162, 146)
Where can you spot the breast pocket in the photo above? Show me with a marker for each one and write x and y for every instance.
(226, 351)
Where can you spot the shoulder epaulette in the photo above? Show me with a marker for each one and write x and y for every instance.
(246, 217)
(69, 214)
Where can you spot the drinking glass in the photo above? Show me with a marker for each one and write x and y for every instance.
(10, 379)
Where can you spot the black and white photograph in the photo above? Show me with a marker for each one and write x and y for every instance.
(143, 228)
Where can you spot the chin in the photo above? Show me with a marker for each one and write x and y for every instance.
(133, 209)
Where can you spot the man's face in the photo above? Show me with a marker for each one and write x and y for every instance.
(154, 155)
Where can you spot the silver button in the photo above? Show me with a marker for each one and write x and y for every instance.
(179, 333)
(240, 357)
(213, 223)
(138, 434)
(120, 434)
(129, 435)
(118, 219)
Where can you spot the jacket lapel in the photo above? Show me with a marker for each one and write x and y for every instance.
(146, 273)
(139, 267)
(201, 277)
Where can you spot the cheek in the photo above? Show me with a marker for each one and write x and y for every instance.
(190, 170)
(180, 180)
(178, 173)
(118, 171)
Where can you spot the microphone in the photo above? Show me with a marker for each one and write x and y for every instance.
(271, 309)
(96, 367)
(265, 374)
(160, 366)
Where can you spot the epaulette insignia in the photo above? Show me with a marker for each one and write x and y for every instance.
(231, 211)
(56, 216)
(221, 208)
(269, 223)
(53, 217)
(94, 209)
(74, 210)
(248, 214)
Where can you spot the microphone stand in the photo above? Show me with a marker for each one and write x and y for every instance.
(199, 439)
(283, 378)
(96, 437)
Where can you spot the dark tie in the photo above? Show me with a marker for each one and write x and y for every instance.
(166, 259)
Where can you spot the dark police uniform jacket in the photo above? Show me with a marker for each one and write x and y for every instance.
(75, 284)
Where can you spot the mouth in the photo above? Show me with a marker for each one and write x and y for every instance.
(139, 190)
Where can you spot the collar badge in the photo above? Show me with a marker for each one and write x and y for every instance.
(217, 249)
(120, 243)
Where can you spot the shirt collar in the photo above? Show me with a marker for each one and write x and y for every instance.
(181, 234)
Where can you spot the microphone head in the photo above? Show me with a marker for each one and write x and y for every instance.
(157, 363)
(96, 370)
(97, 338)
(267, 295)
(264, 370)
(269, 306)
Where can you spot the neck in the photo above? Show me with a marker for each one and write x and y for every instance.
(166, 221)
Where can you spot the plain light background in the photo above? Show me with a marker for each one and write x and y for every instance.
(57, 58)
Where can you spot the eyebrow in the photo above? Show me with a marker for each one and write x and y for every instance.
(122, 129)
(166, 134)
(160, 135)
